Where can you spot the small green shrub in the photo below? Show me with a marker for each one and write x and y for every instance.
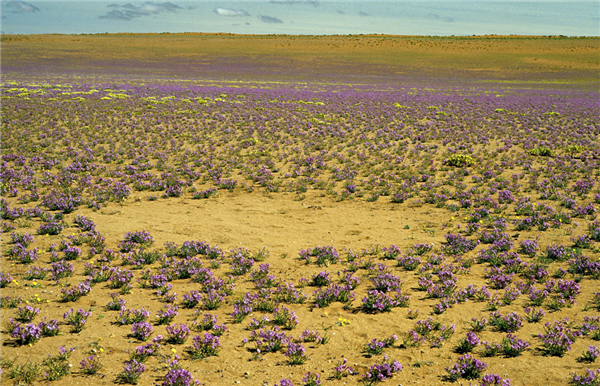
(459, 160)
(542, 151)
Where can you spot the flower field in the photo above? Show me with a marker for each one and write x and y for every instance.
(265, 232)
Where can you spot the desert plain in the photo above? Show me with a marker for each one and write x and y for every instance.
(330, 201)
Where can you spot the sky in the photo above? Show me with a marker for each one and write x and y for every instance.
(303, 17)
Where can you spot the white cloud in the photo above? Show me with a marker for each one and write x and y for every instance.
(19, 6)
(293, 2)
(270, 19)
(435, 16)
(230, 12)
(129, 11)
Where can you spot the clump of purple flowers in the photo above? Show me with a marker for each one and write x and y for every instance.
(311, 379)
(284, 382)
(534, 316)
(379, 301)
(311, 336)
(76, 319)
(494, 380)
(282, 316)
(342, 370)
(25, 333)
(324, 256)
(466, 367)
(375, 347)
(178, 333)
(167, 314)
(49, 328)
(380, 372)
(458, 245)
(591, 354)
(206, 346)
(468, 343)
(333, 292)
(141, 330)
(51, 228)
(512, 346)
(27, 313)
(135, 240)
(591, 378)
(296, 354)
(25, 239)
(132, 371)
(509, 323)
(321, 279)
(529, 247)
(84, 223)
(5, 279)
(558, 338)
(75, 293)
(91, 365)
(271, 340)
(179, 377)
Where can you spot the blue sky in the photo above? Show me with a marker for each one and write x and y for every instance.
(311, 17)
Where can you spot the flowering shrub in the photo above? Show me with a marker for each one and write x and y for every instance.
(25, 333)
(270, 340)
(460, 160)
(167, 314)
(135, 240)
(311, 336)
(509, 323)
(512, 346)
(378, 301)
(206, 346)
(529, 247)
(458, 245)
(26, 314)
(558, 338)
(591, 354)
(177, 334)
(49, 328)
(284, 382)
(91, 365)
(494, 380)
(72, 294)
(24, 239)
(22, 254)
(332, 293)
(468, 343)
(534, 316)
(132, 371)
(321, 279)
(141, 330)
(591, 378)
(5, 279)
(282, 316)
(51, 228)
(296, 354)
(76, 319)
(311, 379)
(381, 372)
(466, 367)
(375, 347)
(386, 282)
(342, 370)
(179, 377)
(324, 256)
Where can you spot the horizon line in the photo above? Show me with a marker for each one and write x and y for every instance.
(309, 35)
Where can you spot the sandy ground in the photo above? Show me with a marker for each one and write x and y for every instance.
(369, 57)
(285, 226)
